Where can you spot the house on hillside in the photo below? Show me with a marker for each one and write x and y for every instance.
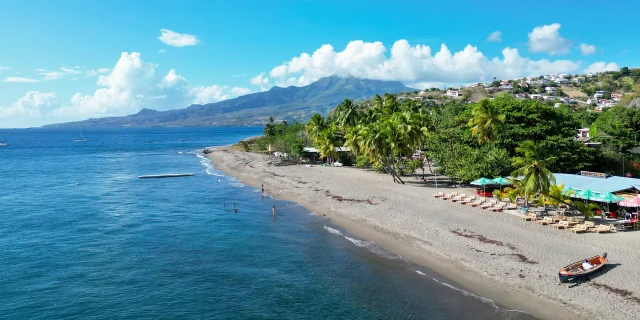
(598, 95)
(579, 80)
(520, 96)
(507, 86)
(616, 96)
(550, 90)
(583, 134)
(453, 93)
(590, 101)
(536, 96)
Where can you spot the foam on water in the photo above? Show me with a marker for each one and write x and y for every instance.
(367, 245)
(333, 231)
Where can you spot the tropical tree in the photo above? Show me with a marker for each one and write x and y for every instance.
(347, 113)
(557, 196)
(315, 127)
(532, 167)
(486, 122)
(588, 209)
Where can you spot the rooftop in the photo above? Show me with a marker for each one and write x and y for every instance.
(610, 184)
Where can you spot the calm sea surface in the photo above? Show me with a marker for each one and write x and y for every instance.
(82, 237)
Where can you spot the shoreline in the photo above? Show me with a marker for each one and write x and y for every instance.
(412, 245)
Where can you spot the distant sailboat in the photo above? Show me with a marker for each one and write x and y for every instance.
(83, 138)
(4, 142)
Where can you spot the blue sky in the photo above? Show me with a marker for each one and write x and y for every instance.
(71, 60)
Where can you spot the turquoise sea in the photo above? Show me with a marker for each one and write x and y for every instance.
(81, 237)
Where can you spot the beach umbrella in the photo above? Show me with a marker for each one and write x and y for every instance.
(608, 198)
(633, 202)
(482, 182)
(501, 182)
(585, 194)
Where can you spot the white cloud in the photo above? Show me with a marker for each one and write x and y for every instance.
(93, 73)
(176, 39)
(413, 65)
(20, 79)
(237, 91)
(495, 36)
(162, 51)
(261, 81)
(601, 67)
(547, 39)
(3, 68)
(133, 84)
(172, 79)
(587, 49)
(27, 111)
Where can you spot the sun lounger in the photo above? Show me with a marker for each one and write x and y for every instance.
(449, 196)
(458, 197)
(529, 217)
(602, 229)
(475, 203)
(438, 195)
(590, 224)
(488, 204)
(561, 225)
(545, 221)
(581, 228)
(497, 208)
(467, 200)
(511, 206)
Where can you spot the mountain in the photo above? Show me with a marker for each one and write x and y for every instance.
(291, 104)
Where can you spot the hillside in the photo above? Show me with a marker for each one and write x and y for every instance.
(291, 103)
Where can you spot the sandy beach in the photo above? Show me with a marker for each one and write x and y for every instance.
(494, 255)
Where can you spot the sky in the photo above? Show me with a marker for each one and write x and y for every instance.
(73, 60)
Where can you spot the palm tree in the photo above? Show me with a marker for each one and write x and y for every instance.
(557, 196)
(270, 119)
(532, 166)
(486, 122)
(347, 114)
(315, 127)
(269, 130)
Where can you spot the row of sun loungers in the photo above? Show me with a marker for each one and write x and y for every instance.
(471, 200)
(571, 226)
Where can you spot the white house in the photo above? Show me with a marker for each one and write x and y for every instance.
(579, 79)
(506, 87)
(520, 96)
(583, 134)
(550, 89)
(536, 96)
(598, 95)
(590, 101)
(453, 93)
(616, 96)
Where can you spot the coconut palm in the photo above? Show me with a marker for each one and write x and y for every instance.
(557, 196)
(347, 114)
(532, 167)
(315, 127)
(486, 122)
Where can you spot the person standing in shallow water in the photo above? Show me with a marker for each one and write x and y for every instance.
(273, 210)
(262, 188)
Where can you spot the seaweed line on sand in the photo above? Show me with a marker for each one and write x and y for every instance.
(341, 198)
(468, 234)
(620, 292)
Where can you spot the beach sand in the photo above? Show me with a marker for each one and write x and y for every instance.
(494, 255)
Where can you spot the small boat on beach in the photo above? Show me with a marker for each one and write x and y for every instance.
(577, 269)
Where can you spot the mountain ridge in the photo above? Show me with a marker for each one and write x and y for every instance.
(291, 103)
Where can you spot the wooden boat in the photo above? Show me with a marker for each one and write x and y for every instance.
(576, 271)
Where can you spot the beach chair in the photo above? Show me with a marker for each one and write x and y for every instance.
(438, 195)
(458, 197)
(497, 208)
(561, 225)
(545, 221)
(511, 206)
(590, 224)
(529, 217)
(449, 196)
(580, 228)
(602, 229)
(488, 204)
(475, 203)
(467, 200)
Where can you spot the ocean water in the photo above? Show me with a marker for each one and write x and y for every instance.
(81, 237)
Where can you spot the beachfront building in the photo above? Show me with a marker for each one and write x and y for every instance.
(600, 183)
